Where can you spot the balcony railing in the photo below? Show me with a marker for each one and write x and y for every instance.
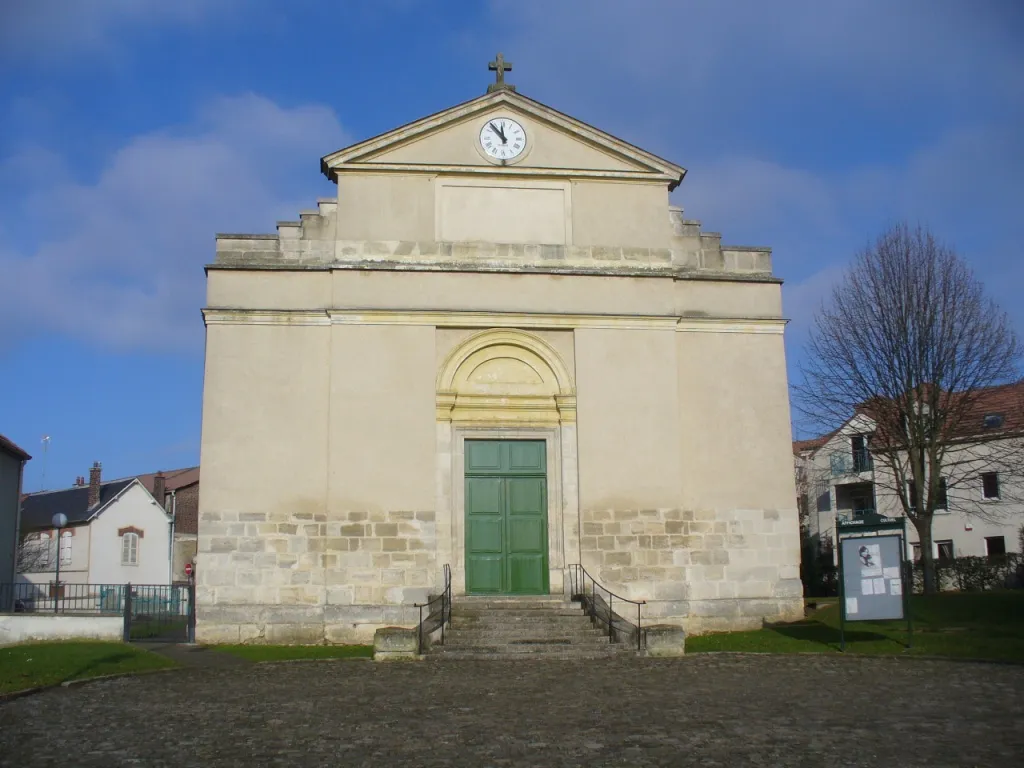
(852, 463)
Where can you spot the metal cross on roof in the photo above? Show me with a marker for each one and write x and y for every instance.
(499, 66)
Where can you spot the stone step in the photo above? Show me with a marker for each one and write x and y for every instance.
(562, 624)
(508, 603)
(526, 631)
(549, 627)
(521, 613)
(448, 653)
(456, 641)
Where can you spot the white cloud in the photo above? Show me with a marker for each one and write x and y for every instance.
(808, 127)
(688, 48)
(125, 267)
(59, 29)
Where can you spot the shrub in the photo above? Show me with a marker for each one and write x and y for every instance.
(975, 574)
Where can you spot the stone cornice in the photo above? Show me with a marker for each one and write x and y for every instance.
(358, 154)
(674, 273)
(731, 325)
(442, 319)
(520, 171)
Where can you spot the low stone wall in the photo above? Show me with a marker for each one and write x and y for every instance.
(32, 627)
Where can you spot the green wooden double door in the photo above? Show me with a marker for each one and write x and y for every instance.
(506, 517)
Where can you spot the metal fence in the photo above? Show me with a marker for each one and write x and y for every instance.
(150, 611)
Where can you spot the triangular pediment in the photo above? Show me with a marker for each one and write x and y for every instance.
(449, 141)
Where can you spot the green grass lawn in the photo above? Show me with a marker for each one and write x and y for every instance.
(295, 652)
(977, 625)
(42, 664)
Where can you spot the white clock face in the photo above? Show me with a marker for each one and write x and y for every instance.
(502, 138)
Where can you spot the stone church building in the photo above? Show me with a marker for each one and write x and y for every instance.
(499, 348)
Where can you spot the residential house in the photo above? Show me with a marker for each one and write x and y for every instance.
(12, 469)
(981, 512)
(178, 491)
(116, 533)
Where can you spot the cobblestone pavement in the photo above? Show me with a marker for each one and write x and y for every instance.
(701, 710)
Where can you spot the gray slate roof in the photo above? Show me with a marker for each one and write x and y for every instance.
(9, 446)
(37, 509)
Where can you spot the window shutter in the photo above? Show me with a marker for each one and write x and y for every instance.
(66, 540)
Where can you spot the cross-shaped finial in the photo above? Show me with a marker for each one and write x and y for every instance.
(499, 66)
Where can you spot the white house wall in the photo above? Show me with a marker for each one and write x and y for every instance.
(135, 508)
(75, 572)
(971, 517)
(970, 520)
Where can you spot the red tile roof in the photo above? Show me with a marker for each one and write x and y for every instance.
(174, 478)
(1004, 400)
(812, 444)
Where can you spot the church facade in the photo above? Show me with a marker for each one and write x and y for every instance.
(498, 349)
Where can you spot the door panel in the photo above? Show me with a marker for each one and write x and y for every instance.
(506, 517)
(526, 455)
(483, 456)
(485, 534)
(485, 574)
(527, 534)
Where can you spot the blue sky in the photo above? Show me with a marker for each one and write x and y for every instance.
(133, 130)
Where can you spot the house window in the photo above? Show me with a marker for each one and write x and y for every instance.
(993, 420)
(995, 547)
(861, 456)
(916, 552)
(912, 494)
(944, 551)
(66, 539)
(130, 549)
(44, 550)
(942, 499)
(990, 485)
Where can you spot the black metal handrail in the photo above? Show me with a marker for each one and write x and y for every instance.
(578, 578)
(445, 599)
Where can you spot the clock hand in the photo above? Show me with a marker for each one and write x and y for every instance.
(499, 132)
(502, 131)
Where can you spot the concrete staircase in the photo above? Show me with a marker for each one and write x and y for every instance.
(541, 627)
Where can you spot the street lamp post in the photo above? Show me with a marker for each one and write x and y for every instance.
(59, 520)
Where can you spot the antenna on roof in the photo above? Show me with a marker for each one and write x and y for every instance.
(46, 444)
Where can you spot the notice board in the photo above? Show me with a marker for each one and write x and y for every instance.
(872, 577)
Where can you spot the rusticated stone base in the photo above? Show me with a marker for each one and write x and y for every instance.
(707, 569)
(725, 615)
(298, 624)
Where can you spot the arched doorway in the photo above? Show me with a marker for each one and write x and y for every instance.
(507, 506)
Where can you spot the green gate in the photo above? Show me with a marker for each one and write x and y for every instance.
(506, 517)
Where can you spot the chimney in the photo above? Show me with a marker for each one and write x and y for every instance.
(160, 488)
(94, 484)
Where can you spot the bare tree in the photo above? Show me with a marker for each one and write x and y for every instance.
(910, 341)
(35, 554)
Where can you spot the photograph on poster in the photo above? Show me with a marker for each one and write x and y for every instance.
(870, 561)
